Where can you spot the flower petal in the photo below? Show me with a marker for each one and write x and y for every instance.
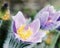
(35, 38)
(44, 18)
(19, 19)
(14, 28)
(56, 16)
(42, 35)
(48, 8)
(35, 25)
(58, 19)
(38, 37)
(51, 26)
(57, 24)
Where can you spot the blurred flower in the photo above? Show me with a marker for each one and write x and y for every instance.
(27, 32)
(6, 16)
(48, 18)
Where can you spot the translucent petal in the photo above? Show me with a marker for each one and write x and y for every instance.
(19, 19)
(35, 25)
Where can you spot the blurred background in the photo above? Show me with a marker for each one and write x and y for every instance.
(29, 7)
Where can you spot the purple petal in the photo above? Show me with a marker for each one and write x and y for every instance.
(35, 38)
(44, 18)
(55, 16)
(38, 37)
(50, 26)
(57, 24)
(58, 19)
(35, 25)
(48, 8)
(51, 10)
(19, 19)
(14, 27)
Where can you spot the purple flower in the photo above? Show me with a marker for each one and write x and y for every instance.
(48, 18)
(27, 32)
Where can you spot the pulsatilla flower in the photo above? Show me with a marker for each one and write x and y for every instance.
(27, 32)
(48, 18)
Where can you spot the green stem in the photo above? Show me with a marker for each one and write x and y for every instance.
(55, 39)
(4, 31)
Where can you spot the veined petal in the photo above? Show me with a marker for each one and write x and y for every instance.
(44, 18)
(38, 37)
(41, 11)
(35, 25)
(56, 16)
(50, 26)
(58, 19)
(19, 19)
(14, 27)
(42, 35)
(34, 38)
(57, 24)
(48, 8)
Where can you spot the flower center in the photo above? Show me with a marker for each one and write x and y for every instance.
(49, 21)
(24, 34)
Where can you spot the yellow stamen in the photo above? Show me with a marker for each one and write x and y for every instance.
(21, 28)
(24, 34)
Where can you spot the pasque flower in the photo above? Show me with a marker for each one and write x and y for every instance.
(48, 18)
(27, 32)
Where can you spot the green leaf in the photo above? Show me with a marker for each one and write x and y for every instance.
(1, 14)
(55, 38)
